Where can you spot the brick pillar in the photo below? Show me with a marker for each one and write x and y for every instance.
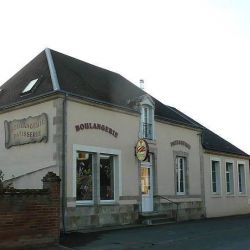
(52, 182)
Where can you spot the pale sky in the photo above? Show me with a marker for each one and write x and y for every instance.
(193, 55)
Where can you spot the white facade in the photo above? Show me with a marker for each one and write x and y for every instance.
(178, 168)
(222, 202)
(24, 162)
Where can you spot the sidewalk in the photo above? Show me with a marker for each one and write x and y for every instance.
(56, 247)
(221, 233)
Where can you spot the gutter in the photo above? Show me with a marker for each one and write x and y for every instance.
(26, 101)
(202, 174)
(56, 87)
(213, 152)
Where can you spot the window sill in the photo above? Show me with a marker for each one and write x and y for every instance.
(108, 203)
(150, 141)
(84, 203)
(101, 203)
(230, 195)
(216, 195)
(181, 194)
(243, 195)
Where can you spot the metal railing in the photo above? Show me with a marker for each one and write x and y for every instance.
(147, 131)
(172, 202)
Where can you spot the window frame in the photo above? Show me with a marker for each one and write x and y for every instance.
(245, 179)
(96, 173)
(177, 182)
(219, 191)
(30, 90)
(147, 121)
(148, 103)
(232, 180)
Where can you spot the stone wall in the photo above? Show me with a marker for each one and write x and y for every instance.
(84, 217)
(189, 210)
(30, 217)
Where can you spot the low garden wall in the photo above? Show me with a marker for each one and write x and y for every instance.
(30, 218)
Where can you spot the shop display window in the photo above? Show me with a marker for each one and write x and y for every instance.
(95, 176)
(84, 176)
(106, 177)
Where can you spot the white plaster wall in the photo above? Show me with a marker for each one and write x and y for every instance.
(20, 160)
(165, 163)
(33, 180)
(126, 125)
(223, 204)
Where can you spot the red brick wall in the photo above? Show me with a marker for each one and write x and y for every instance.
(30, 217)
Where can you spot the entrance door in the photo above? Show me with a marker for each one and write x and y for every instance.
(146, 187)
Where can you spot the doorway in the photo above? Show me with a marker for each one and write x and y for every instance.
(147, 186)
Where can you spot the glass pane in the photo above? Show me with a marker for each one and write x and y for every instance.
(84, 176)
(214, 187)
(229, 177)
(228, 181)
(177, 182)
(106, 177)
(145, 180)
(146, 115)
(214, 179)
(241, 175)
(30, 85)
(180, 177)
(240, 185)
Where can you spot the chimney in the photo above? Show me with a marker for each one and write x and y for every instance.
(142, 84)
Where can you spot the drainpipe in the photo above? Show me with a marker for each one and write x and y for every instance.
(64, 121)
(56, 87)
(202, 173)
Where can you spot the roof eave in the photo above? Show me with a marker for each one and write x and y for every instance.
(227, 154)
(39, 98)
(177, 123)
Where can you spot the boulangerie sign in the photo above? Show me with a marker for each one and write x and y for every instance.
(96, 126)
(27, 130)
(141, 150)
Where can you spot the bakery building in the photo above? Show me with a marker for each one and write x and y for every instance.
(123, 156)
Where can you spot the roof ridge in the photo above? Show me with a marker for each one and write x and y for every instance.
(52, 69)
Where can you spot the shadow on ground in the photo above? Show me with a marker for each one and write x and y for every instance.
(75, 239)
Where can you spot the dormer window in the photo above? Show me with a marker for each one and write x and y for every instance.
(147, 126)
(147, 118)
(30, 86)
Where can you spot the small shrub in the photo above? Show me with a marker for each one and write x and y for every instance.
(5, 185)
(1, 179)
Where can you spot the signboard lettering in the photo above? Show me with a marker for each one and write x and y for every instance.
(98, 126)
(28, 130)
(179, 142)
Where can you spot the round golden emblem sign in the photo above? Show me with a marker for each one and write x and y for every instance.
(141, 150)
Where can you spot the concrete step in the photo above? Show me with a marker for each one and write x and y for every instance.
(156, 218)
(158, 221)
(155, 214)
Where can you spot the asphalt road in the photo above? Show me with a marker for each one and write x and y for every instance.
(223, 233)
